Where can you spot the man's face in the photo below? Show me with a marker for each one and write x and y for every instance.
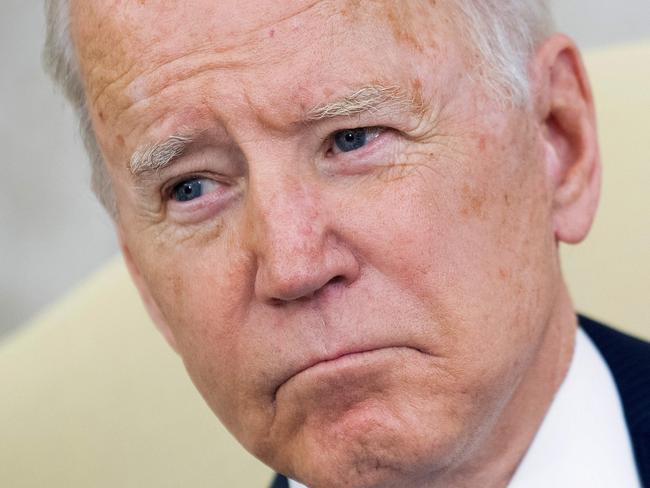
(353, 306)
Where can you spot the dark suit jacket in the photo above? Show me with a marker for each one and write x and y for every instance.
(629, 361)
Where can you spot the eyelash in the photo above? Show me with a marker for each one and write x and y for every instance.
(373, 133)
(170, 189)
(171, 186)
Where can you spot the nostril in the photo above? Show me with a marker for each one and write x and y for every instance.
(333, 284)
(339, 279)
(277, 302)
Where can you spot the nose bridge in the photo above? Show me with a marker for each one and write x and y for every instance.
(288, 234)
(284, 211)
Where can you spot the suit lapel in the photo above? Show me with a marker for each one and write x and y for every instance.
(280, 482)
(629, 361)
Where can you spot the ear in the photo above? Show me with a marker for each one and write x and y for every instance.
(147, 298)
(565, 111)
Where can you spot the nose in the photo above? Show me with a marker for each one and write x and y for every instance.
(293, 235)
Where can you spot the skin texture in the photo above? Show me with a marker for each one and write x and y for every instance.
(393, 316)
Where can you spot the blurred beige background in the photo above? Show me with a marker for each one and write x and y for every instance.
(53, 233)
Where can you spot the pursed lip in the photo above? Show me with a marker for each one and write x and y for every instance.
(333, 358)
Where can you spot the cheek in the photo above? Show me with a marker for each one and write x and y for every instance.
(203, 298)
(471, 242)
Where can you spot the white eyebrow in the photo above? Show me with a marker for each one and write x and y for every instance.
(367, 99)
(158, 156)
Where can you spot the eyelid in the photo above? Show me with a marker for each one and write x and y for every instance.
(208, 206)
(206, 186)
(376, 132)
(168, 188)
(377, 153)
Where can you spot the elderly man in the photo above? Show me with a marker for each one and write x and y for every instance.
(345, 217)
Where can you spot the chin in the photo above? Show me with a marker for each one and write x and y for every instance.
(372, 421)
(372, 445)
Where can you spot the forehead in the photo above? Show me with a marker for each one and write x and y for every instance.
(157, 20)
(121, 40)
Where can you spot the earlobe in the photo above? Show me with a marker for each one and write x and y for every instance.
(150, 303)
(566, 114)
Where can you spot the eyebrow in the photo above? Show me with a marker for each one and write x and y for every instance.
(158, 156)
(369, 98)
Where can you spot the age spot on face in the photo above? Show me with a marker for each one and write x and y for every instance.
(350, 9)
(472, 203)
(399, 23)
(417, 93)
(178, 285)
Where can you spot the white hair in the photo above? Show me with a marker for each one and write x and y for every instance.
(61, 63)
(504, 34)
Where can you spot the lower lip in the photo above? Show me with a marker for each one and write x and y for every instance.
(351, 356)
(350, 365)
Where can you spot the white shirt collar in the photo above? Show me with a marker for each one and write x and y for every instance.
(583, 441)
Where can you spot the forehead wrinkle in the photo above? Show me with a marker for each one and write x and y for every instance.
(237, 44)
(107, 85)
(165, 75)
(165, 72)
(366, 99)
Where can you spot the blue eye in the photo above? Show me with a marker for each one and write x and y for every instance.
(351, 139)
(188, 190)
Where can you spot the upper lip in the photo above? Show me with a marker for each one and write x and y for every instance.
(334, 357)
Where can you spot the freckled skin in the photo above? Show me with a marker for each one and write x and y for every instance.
(439, 255)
